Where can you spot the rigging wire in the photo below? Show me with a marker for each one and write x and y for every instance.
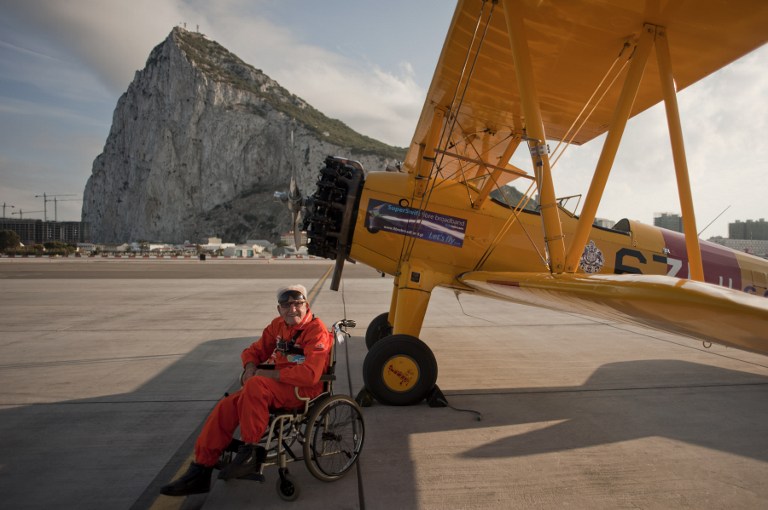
(453, 116)
(711, 222)
(594, 107)
(515, 216)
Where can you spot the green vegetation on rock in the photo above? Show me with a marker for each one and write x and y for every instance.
(221, 65)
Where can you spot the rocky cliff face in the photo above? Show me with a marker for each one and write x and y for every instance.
(199, 143)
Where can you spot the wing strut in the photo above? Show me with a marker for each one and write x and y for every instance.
(695, 265)
(610, 147)
(553, 231)
(650, 36)
(497, 171)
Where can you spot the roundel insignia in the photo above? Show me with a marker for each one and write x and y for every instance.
(592, 259)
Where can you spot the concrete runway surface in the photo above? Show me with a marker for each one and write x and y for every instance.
(109, 367)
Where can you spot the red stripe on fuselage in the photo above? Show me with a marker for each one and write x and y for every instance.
(720, 264)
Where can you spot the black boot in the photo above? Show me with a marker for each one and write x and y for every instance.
(196, 480)
(247, 461)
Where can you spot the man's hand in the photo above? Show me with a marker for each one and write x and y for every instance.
(250, 370)
(269, 374)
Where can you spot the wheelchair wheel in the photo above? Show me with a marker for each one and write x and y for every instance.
(287, 488)
(334, 437)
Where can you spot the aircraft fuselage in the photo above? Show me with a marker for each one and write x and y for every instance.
(446, 234)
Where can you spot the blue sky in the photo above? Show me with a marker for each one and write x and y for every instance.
(64, 64)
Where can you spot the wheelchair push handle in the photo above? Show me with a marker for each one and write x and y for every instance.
(344, 323)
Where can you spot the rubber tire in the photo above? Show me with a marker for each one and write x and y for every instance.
(388, 348)
(287, 489)
(318, 412)
(378, 329)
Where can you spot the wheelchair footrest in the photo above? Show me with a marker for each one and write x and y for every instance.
(234, 445)
(256, 477)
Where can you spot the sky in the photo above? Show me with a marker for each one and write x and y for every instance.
(64, 64)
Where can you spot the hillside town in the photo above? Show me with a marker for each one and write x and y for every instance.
(15, 240)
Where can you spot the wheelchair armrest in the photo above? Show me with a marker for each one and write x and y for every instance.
(328, 377)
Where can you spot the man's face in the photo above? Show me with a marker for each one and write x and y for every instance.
(293, 311)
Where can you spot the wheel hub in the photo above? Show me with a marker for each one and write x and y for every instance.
(401, 373)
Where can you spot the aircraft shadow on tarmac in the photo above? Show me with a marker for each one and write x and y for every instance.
(702, 405)
(697, 404)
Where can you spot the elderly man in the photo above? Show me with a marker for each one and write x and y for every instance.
(298, 345)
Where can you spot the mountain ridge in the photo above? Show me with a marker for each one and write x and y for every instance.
(199, 142)
(200, 48)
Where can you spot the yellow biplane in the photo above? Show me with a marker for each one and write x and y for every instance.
(529, 72)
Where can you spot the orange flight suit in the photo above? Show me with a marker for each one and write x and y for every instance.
(249, 407)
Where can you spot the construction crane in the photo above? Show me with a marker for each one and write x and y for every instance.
(21, 213)
(6, 205)
(56, 207)
(51, 198)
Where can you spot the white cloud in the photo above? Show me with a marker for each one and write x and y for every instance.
(113, 40)
(110, 38)
(378, 103)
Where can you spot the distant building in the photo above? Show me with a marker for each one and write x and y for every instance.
(757, 247)
(288, 239)
(264, 244)
(669, 221)
(86, 247)
(215, 244)
(243, 250)
(40, 232)
(750, 229)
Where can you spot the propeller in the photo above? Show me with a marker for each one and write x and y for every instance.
(294, 201)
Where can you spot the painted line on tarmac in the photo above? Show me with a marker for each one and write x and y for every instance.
(151, 498)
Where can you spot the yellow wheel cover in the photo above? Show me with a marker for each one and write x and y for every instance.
(401, 373)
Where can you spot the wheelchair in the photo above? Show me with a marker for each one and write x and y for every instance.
(327, 433)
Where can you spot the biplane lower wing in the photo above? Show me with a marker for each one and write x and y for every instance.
(695, 309)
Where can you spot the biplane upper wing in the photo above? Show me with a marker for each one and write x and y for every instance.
(573, 44)
(578, 47)
(685, 307)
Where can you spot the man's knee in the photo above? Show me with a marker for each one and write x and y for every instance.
(257, 388)
(255, 383)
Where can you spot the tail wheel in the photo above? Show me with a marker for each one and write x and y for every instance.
(400, 370)
(377, 329)
(334, 437)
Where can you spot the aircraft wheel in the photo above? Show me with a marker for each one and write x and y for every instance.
(377, 329)
(400, 370)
